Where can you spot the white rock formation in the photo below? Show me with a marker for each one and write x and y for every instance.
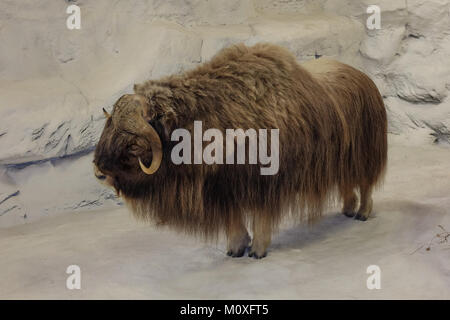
(54, 81)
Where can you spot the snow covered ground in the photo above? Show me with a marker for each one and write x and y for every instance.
(120, 258)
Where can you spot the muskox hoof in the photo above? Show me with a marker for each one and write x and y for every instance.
(360, 217)
(236, 254)
(238, 245)
(254, 255)
(349, 214)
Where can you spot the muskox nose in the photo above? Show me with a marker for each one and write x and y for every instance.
(98, 174)
(100, 177)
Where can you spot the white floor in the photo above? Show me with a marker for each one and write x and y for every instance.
(120, 258)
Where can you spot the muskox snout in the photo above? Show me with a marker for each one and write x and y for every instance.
(100, 176)
(103, 178)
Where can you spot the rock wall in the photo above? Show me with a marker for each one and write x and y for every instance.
(55, 81)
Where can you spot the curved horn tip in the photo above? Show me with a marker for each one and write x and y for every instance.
(149, 170)
(155, 143)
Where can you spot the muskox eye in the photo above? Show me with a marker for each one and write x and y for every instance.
(133, 149)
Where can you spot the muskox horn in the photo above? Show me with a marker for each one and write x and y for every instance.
(107, 115)
(155, 144)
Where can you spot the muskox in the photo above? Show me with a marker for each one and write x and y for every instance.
(332, 142)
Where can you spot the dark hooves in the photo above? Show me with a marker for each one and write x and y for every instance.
(356, 216)
(360, 217)
(256, 256)
(349, 214)
(236, 254)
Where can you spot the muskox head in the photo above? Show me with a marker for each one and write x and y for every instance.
(129, 148)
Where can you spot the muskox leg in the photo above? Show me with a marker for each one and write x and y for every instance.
(238, 239)
(350, 200)
(365, 207)
(262, 236)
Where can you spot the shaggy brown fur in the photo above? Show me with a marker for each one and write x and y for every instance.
(332, 126)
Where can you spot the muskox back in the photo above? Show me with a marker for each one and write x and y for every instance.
(332, 137)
